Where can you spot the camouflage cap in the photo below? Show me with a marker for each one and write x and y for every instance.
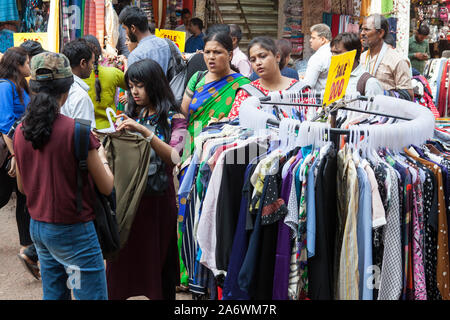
(54, 65)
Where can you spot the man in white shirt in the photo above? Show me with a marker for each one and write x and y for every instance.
(240, 59)
(78, 103)
(186, 18)
(317, 70)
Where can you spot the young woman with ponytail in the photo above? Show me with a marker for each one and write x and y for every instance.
(66, 241)
(103, 83)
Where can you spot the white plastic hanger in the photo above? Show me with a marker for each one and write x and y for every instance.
(110, 112)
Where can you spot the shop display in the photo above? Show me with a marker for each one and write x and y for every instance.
(292, 28)
(435, 14)
(437, 73)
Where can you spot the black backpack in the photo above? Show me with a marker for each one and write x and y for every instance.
(105, 206)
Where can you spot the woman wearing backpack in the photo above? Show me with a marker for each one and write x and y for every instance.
(148, 264)
(14, 98)
(66, 240)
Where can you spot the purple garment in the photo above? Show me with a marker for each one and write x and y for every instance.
(283, 253)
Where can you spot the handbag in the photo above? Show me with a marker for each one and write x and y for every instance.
(157, 180)
(176, 73)
(105, 206)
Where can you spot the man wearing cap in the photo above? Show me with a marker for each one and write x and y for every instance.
(79, 104)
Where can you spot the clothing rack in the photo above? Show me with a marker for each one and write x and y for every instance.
(418, 127)
(334, 130)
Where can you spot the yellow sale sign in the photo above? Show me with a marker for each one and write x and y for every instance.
(338, 76)
(40, 37)
(178, 37)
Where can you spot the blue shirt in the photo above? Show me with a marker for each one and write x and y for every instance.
(364, 234)
(311, 211)
(195, 43)
(11, 109)
(153, 48)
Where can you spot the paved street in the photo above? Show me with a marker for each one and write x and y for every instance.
(15, 282)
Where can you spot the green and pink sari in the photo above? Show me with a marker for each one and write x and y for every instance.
(212, 100)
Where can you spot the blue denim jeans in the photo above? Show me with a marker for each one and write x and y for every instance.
(70, 259)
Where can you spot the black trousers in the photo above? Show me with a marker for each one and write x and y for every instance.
(23, 220)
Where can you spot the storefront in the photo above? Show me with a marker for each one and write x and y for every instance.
(435, 14)
(56, 22)
(297, 16)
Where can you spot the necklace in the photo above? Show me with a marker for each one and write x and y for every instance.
(368, 62)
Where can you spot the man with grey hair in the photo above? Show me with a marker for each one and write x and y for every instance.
(382, 61)
(240, 59)
(317, 70)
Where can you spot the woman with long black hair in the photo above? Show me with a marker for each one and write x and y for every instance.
(14, 98)
(148, 264)
(66, 240)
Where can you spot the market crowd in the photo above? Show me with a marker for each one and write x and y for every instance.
(41, 93)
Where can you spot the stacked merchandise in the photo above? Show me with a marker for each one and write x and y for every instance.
(339, 23)
(9, 17)
(436, 14)
(147, 7)
(292, 30)
(437, 73)
(34, 15)
(173, 7)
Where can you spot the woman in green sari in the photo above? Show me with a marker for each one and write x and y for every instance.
(208, 97)
(210, 94)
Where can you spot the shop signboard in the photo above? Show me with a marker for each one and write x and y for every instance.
(178, 37)
(41, 37)
(338, 76)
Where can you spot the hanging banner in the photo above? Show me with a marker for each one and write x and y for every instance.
(53, 26)
(338, 76)
(41, 37)
(178, 37)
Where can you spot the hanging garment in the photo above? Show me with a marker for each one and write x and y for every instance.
(231, 289)
(111, 28)
(321, 265)
(129, 158)
(348, 276)
(100, 21)
(75, 14)
(159, 12)
(283, 251)
(8, 10)
(442, 267)
(6, 40)
(89, 18)
(65, 31)
(391, 282)
(444, 91)
(364, 234)
(420, 292)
